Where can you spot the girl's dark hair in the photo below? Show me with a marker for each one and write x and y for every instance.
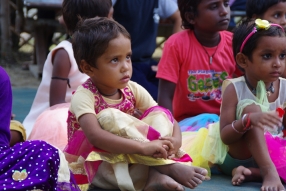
(92, 37)
(74, 9)
(259, 7)
(188, 8)
(244, 29)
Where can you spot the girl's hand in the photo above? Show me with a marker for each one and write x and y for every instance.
(156, 148)
(137, 113)
(266, 120)
(176, 144)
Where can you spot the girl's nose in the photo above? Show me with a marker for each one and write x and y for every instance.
(278, 63)
(224, 10)
(125, 66)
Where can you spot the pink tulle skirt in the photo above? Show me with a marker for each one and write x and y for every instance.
(51, 126)
(277, 151)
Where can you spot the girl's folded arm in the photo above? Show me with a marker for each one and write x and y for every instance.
(105, 140)
(112, 143)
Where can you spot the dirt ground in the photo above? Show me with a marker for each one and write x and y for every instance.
(20, 77)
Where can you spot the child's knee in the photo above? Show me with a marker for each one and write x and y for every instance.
(16, 137)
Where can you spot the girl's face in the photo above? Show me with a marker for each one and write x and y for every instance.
(276, 14)
(114, 68)
(213, 16)
(268, 60)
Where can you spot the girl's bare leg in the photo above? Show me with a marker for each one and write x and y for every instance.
(188, 176)
(160, 182)
(256, 144)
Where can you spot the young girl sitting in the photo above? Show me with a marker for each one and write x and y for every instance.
(31, 165)
(249, 103)
(61, 77)
(195, 62)
(106, 143)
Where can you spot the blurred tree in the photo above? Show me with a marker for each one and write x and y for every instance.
(6, 43)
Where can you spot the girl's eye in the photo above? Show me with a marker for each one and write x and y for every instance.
(213, 6)
(276, 16)
(128, 57)
(114, 61)
(282, 56)
(266, 56)
(226, 3)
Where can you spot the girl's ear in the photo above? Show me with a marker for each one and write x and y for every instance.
(254, 16)
(190, 16)
(86, 68)
(241, 60)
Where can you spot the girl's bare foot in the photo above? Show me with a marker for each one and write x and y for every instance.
(271, 179)
(239, 175)
(188, 176)
(161, 182)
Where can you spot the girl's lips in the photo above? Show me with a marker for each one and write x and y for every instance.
(224, 21)
(275, 74)
(125, 79)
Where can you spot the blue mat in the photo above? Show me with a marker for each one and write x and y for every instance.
(218, 183)
(22, 102)
(223, 183)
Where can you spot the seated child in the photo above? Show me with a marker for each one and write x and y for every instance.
(47, 118)
(247, 143)
(194, 64)
(105, 142)
(248, 116)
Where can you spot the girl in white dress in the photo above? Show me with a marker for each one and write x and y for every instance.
(61, 77)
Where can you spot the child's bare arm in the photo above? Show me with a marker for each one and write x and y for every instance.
(107, 141)
(61, 69)
(265, 120)
(177, 21)
(165, 99)
(166, 94)
(232, 131)
(227, 116)
(176, 139)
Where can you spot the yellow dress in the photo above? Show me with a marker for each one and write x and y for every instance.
(124, 171)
